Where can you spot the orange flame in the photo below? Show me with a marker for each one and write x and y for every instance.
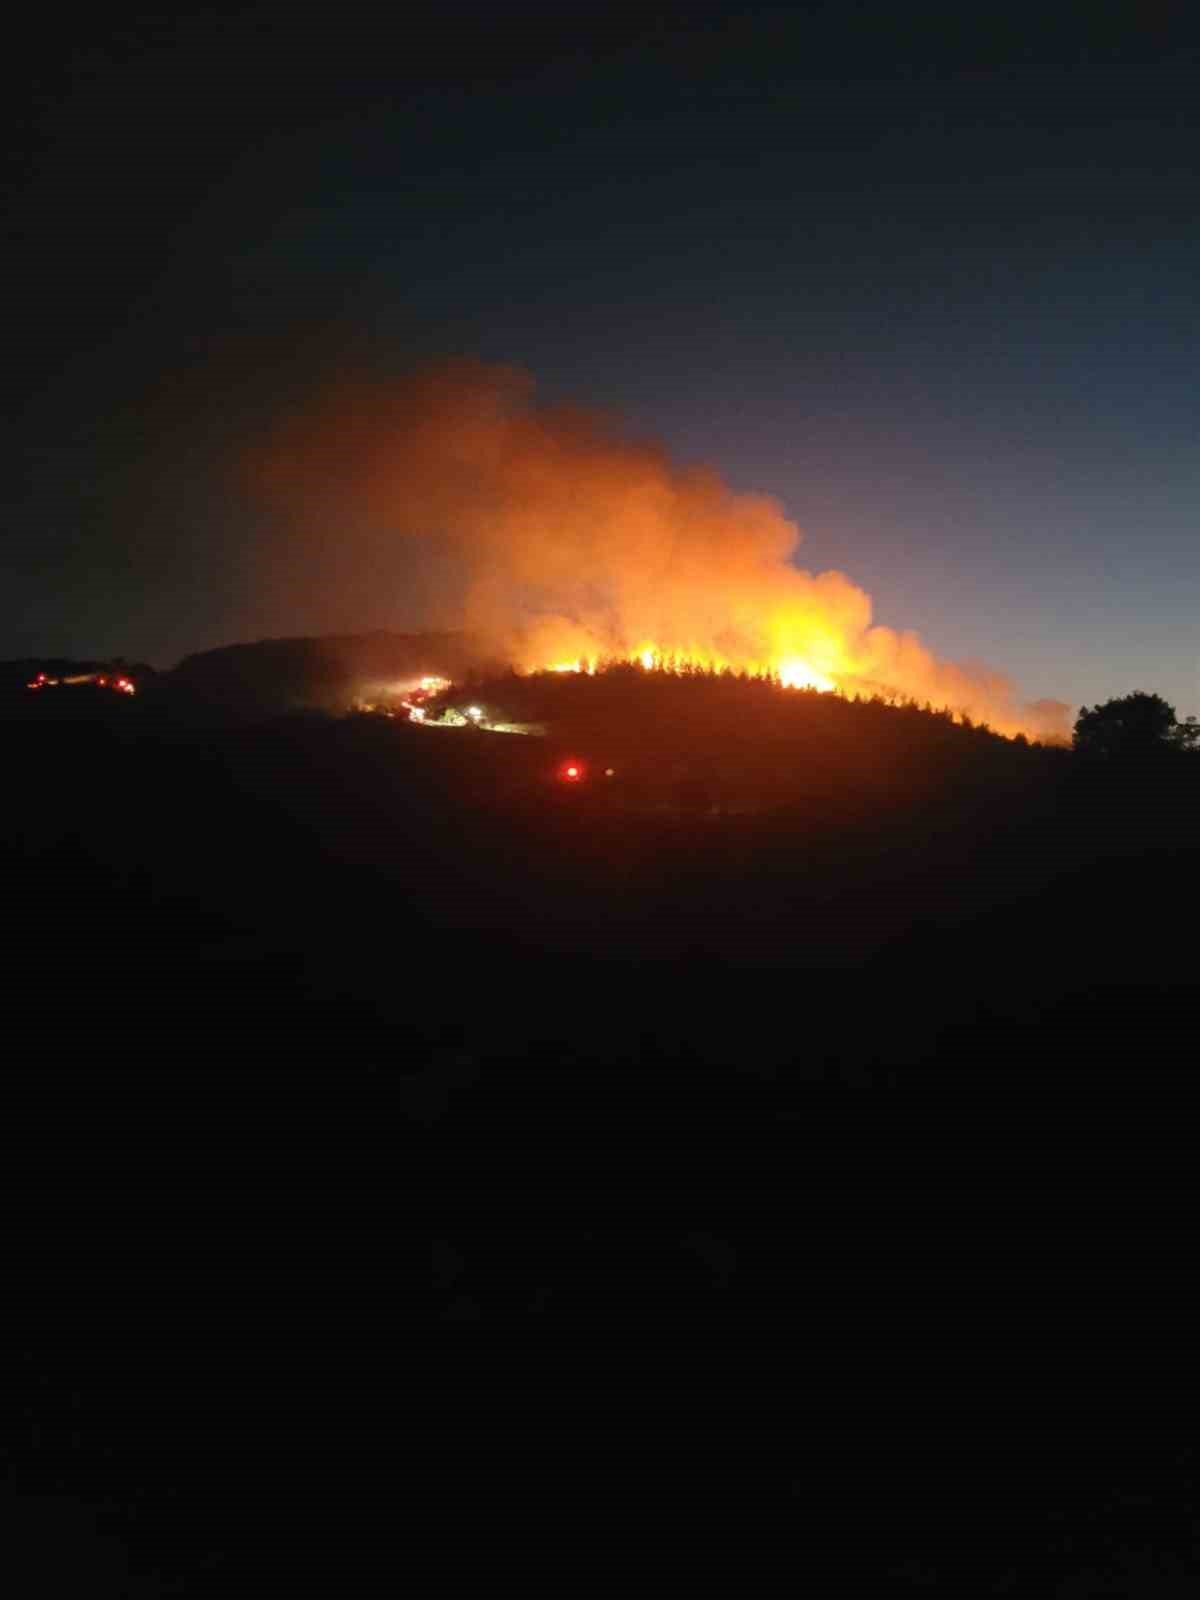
(793, 672)
(564, 543)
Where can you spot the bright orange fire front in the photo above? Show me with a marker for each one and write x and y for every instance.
(793, 672)
(579, 544)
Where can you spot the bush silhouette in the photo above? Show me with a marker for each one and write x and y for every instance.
(1132, 726)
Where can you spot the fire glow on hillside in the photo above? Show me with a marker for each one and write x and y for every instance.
(563, 543)
(791, 671)
(118, 683)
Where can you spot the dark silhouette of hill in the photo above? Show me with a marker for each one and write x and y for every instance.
(729, 742)
(746, 831)
(246, 682)
(835, 1046)
(922, 909)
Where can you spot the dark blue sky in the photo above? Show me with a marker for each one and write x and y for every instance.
(932, 287)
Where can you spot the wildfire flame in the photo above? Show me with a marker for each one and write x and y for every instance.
(565, 543)
(101, 680)
(795, 674)
(792, 671)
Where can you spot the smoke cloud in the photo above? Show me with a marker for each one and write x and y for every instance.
(568, 540)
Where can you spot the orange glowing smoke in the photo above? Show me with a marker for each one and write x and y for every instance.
(565, 543)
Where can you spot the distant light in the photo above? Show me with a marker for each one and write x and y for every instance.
(475, 712)
(572, 771)
(608, 772)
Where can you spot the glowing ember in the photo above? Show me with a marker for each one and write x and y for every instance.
(118, 685)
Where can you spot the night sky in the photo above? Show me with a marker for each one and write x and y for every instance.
(930, 282)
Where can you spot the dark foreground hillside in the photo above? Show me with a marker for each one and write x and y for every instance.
(806, 1171)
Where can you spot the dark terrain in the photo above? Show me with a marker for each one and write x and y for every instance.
(802, 1121)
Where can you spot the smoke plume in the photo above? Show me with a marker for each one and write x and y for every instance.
(571, 541)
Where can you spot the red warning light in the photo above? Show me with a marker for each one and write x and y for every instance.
(572, 771)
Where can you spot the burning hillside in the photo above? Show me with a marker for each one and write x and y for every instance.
(686, 740)
(566, 543)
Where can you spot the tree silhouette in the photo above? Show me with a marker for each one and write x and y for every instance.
(1133, 725)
